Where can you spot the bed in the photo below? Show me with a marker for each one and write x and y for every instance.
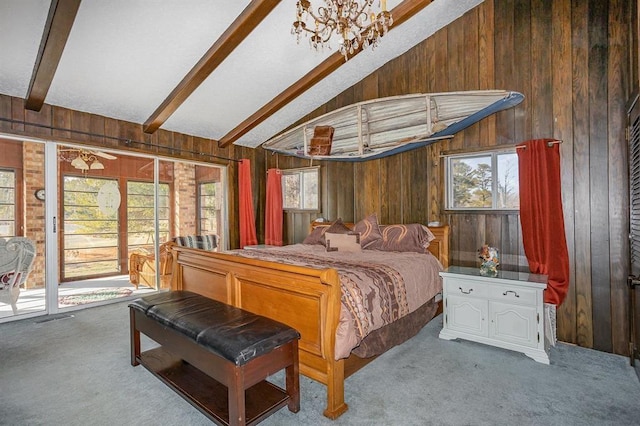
(308, 297)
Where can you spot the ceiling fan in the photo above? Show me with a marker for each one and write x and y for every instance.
(85, 159)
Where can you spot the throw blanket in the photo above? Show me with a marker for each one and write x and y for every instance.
(377, 288)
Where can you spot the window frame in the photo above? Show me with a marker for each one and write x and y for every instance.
(449, 187)
(300, 171)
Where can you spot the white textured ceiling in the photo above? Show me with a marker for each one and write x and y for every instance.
(124, 57)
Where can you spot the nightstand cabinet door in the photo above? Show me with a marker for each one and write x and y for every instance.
(513, 323)
(467, 315)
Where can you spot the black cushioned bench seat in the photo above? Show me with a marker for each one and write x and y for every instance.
(232, 333)
(234, 347)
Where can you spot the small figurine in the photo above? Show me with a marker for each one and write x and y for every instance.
(490, 260)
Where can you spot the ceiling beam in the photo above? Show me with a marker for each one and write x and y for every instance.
(62, 13)
(400, 13)
(246, 22)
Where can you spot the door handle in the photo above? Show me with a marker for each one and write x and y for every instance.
(465, 292)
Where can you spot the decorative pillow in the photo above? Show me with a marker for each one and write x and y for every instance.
(410, 237)
(7, 279)
(369, 230)
(315, 236)
(337, 227)
(343, 242)
(202, 242)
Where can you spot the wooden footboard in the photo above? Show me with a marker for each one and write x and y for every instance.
(304, 298)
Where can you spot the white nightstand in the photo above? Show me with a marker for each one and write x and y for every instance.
(506, 311)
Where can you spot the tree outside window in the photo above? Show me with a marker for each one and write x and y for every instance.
(301, 189)
(210, 207)
(487, 181)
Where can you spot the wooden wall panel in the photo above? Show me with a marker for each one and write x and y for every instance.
(599, 167)
(581, 177)
(541, 78)
(618, 85)
(563, 130)
(471, 66)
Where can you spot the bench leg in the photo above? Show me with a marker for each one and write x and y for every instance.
(293, 380)
(135, 338)
(237, 398)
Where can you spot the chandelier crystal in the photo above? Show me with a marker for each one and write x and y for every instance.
(353, 21)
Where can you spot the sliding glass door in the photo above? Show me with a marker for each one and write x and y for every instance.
(119, 212)
(22, 228)
(104, 219)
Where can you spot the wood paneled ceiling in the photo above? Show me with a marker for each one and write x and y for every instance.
(228, 71)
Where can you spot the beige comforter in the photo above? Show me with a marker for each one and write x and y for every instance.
(377, 287)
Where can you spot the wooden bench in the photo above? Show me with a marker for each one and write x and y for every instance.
(217, 356)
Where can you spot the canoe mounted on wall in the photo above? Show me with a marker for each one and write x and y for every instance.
(386, 126)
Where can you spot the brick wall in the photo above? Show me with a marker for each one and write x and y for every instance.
(34, 219)
(185, 199)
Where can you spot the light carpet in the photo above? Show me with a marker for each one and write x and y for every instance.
(75, 370)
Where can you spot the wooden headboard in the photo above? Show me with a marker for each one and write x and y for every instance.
(438, 247)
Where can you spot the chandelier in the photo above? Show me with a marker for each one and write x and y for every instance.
(84, 160)
(354, 22)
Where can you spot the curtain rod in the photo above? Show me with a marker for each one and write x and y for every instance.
(126, 141)
(549, 144)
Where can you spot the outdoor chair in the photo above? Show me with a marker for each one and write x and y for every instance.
(16, 260)
(142, 267)
(142, 264)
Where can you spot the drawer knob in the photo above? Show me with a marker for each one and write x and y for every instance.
(510, 291)
(465, 292)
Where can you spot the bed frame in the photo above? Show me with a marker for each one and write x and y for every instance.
(304, 298)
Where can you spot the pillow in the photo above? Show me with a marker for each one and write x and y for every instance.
(343, 242)
(337, 227)
(369, 230)
(7, 280)
(410, 237)
(315, 236)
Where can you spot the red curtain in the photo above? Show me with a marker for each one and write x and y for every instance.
(247, 218)
(273, 213)
(543, 235)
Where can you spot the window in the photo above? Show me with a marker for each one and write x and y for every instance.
(140, 222)
(210, 207)
(485, 181)
(301, 189)
(7, 203)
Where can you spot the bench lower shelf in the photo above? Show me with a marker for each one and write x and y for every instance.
(208, 395)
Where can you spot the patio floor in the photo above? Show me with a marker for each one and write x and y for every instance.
(33, 301)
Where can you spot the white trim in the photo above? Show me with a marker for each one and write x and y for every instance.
(52, 225)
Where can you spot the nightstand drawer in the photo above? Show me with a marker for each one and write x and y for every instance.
(461, 287)
(513, 294)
